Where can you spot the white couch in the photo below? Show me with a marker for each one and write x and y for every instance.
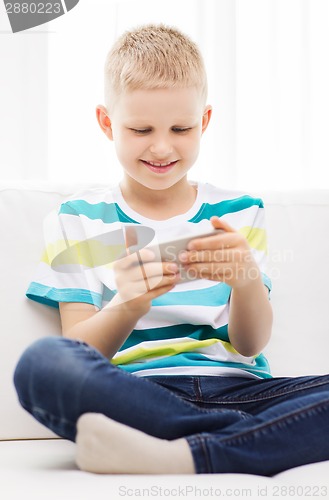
(35, 464)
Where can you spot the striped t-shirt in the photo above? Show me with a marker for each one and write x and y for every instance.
(185, 331)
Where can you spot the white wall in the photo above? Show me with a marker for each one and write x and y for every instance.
(268, 68)
(23, 101)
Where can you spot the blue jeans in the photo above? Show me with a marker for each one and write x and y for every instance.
(232, 424)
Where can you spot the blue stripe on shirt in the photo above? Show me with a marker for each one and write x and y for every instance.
(207, 210)
(106, 212)
(213, 296)
(52, 296)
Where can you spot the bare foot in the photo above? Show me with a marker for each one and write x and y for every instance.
(107, 447)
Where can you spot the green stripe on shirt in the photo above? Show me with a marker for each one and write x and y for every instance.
(260, 368)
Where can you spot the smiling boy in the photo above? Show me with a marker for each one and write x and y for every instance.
(168, 378)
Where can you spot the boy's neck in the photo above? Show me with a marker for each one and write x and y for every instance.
(159, 204)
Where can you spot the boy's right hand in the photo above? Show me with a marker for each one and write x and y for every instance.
(140, 279)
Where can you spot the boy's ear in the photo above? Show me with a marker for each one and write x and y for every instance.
(206, 117)
(104, 121)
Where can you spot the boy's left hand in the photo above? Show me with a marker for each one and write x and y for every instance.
(224, 257)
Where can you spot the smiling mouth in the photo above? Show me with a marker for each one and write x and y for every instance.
(159, 165)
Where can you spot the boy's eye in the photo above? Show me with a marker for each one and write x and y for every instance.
(180, 129)
(141, 131)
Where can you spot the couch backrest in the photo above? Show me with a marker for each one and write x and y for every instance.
(298, 224)
(298, 265)
(23, 206)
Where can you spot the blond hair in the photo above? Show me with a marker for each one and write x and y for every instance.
(151, 57)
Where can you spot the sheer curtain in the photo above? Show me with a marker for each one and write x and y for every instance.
(282, 98)
(23, 101)
(268, 68)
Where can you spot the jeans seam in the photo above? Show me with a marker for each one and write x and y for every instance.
(268, 395)
(197, 389)
(186, 401)
(197, 444)
(205, 453)
(275, 422)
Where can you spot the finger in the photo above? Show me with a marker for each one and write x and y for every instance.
(130, 236)
(135, 271)
(162, 274)
(221, 224)
(161, 290)
(143, 281)
(126, 261)
(169, 267)
(134, 259)
(146, 255)
(167, 280)
(222, 240)
(201, 270)
(150, 273)
(210, 270)
(217, 255)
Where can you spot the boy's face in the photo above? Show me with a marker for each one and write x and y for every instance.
(156, 133)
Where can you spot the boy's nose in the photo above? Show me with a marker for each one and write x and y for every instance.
(161, 147)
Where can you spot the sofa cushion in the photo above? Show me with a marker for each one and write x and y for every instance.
(45, 470)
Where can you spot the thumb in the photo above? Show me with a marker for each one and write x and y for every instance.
(130, 236)
(220, 224)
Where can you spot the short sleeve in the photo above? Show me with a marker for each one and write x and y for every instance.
(64, 273)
